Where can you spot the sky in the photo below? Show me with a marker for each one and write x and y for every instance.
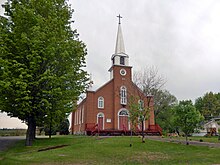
(180, 38)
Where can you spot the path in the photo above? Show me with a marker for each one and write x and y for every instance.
(197, 143)
(7, 141)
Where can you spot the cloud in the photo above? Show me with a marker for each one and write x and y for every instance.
(180, 38)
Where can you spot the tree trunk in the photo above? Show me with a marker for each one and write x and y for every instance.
(30, 135)
(187, 143)
(50, 132)
(130, 138)
(142, 130)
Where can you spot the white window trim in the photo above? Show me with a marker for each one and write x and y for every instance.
(123, 95)
(82, 114)
(75, 118)
(101, 99)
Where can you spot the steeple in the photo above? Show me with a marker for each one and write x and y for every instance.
(120, 60)
(119, 48)
(120, 57)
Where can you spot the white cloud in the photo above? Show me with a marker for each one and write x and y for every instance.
(180, 38)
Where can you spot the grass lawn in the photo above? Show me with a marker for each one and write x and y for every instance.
(211, 139)
(108, 150)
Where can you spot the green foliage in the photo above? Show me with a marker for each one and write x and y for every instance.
(138, 111)
(187, 118)
(134, 112)
(62, 127)
(163, 100)
(209, 105)
(41, 60)
(163, 105)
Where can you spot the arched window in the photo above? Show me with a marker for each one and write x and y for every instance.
(122, 60)
(123, 94)
(100, 102)
(123, 113)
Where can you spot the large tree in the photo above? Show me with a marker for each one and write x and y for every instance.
(41, 60)
(164, 101)
(187, 118)
(209, 105)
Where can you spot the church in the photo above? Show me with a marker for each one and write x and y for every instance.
(106, 110)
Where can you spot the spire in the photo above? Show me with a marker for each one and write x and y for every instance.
(119, 48)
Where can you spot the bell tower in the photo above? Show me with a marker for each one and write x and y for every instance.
(119, 58)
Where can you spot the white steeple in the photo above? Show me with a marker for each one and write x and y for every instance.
(119, 48)
(120, 57)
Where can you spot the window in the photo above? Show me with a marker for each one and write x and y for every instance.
(123, 113)
(82, 114)
(77, 117)
(123, 72)
(141, 104)
(122, 60)
(123, 94)
(100, 102)
(74, 118)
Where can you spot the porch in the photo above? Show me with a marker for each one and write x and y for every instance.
(94, 129)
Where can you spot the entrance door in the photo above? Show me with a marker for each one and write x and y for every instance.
(100, 121)
(123, 120)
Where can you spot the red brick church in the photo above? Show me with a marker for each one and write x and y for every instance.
(106, 109)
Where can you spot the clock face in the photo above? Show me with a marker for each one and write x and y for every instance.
(123, 72)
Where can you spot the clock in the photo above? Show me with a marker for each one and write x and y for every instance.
(123, 72)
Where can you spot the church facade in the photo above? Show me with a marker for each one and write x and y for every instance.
(106, 110)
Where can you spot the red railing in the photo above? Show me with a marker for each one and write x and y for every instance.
(92, 128)
(155, 128)
(124, 129)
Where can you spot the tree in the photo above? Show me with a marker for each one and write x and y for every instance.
(139, 110)
(62, 127)
(163, 104)
(41, 61)
(148, 81)
(208, 105)
(163, 100)
(187, 118)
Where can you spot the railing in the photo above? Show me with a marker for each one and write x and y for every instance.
(155, 127)
(124, 128)
(90, 126)
(93, 128)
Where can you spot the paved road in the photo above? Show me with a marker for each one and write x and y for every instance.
(7, 141)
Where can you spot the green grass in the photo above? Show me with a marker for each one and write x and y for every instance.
(113, 150)
(212, 139)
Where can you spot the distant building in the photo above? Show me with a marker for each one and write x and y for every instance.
(210, 128)
(106, 109)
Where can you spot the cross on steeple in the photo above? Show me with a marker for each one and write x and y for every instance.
(119, 18)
